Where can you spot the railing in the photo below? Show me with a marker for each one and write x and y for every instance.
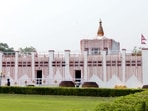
(40, 82)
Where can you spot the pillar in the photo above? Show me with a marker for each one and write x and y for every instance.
(1, 60)
(123, 65)
(85, 66)
(67, 75)
(16, 66)
(1, 73)
(104, 65)
(50, 68)
(33, 64)
(145, 65)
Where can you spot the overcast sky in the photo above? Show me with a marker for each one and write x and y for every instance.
(61, 24)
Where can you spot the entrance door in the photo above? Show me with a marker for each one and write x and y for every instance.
(78, 77)
(39, 77)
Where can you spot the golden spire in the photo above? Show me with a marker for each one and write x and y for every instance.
(100, 29)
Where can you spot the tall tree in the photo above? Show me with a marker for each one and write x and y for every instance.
(6, 49)
(27, 50)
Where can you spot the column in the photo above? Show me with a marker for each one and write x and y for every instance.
(104, 65)
(16, 66)
(85, 66)
(145, 65)
(33, 64)
(1, 73)
(123, 65)
(67, 75)
(1, 59)
(50, 69)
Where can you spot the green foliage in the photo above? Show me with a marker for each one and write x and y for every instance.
(137, 51)
(27, 50)
(6, 49)
(69, 91)
(132, 102)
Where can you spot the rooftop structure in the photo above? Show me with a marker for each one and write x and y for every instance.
(100, 43)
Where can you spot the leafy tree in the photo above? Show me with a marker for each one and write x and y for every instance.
(6, 49)
(137, 51)
(27, 50)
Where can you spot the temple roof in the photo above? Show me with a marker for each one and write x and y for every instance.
(100, 30)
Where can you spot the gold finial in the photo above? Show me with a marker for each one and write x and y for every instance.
(100, 29)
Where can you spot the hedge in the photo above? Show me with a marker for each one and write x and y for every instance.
(132, 102)
(99, 92)
(67, 84)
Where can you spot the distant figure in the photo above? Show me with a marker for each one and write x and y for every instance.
(8, 82)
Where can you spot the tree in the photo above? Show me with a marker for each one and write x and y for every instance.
(27, 50)
(6, 49)
(137, 51)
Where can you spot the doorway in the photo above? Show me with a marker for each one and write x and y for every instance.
(77, 77)
(39, 77)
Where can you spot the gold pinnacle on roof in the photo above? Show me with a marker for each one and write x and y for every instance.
(100, 29)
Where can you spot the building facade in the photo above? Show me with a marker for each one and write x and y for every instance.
(100, 61)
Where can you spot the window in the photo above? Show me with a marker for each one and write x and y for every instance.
(57, 64)
(71, 64)
(36, 64)
(139, 63)
(53, 63)
(63, 63)
(46, 63)
(28, 64)
(81, 63)
(89, 63)
(106, 49)
(133, 63)
(95, 51)
(99, 63)
(86, 49)
(128, 63)
(113, 63)
(4, 64)
(108, 63)
(119, 63)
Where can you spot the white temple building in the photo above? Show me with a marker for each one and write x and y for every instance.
(100, 60)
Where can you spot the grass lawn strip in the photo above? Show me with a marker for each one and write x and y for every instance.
(13, 102)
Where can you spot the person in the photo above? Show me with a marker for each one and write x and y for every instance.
(8, 82)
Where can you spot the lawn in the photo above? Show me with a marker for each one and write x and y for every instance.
(12, 102)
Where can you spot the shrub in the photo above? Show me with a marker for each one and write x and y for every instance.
(90, 84)
(145, 86)
(67, 84)
(132, 102)
(120, 86)
(113, 107)
(99, 92)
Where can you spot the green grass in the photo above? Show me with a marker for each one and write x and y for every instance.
(12, 102)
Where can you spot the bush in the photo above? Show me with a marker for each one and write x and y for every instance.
(90, 84)
(113, 107)
(120, 86)
(99, 92)
(67, 84)
(145, 86)
(133, 102)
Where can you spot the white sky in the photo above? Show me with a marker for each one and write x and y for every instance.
(61, 24)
